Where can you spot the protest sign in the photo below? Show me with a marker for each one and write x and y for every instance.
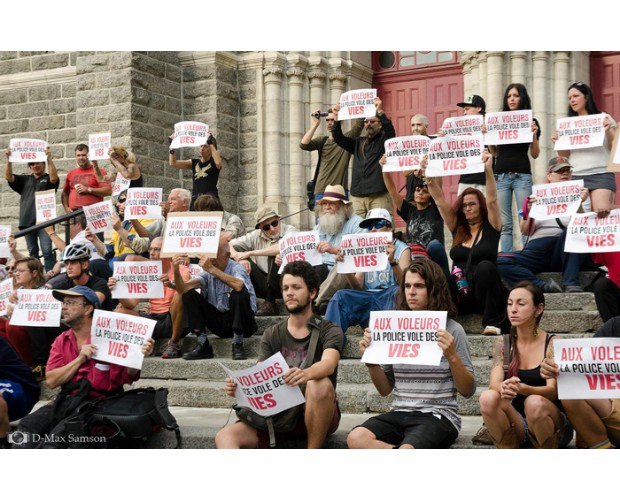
(363, 252)
(138, 280)
(587, 233)
(143, 203)
(262, 388)
(45, 205)
(119, 337)
(194, 271)
(357, 104)
(405, 337)
(5, 232)
(192, 233)
(189, 134)
(509, 127)
(557, 199)
(98, 216)
(6, 289)
(405, 153)
(300, 246)
(120, 184)
(36, 308)
(452, 155)
(99, 146)
(27, 150)
(589, 368)
(578, 132)
(463, 125)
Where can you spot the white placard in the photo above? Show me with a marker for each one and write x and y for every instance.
(262, 388)
(36, 308)
(98, 216)
(192, 233)
(27, 150)
(589, 368)
(5, 232)
(99, 146)
(119, 337)
(45, 205)
(189, 135)
(194, 271)
(557, 199)
(509, 127)
(357, 104)
(364, 252)
(578, 132)
(405, 153)
(300, 245)
(587, 233)
(138, 280)
(405, 337)
(463, 125)
(120, 184)
(455, 155)
(6, 289)
(143, 203)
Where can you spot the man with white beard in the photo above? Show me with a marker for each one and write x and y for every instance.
(336, 218)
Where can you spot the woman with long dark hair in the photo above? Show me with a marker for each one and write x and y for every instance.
(521, 408)
(590, 164)
(513, 172)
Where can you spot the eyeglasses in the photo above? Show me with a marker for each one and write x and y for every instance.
(379, 224)
(273, 224)
(72, 303)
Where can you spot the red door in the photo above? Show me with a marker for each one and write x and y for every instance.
(605, 84)
(429, 83)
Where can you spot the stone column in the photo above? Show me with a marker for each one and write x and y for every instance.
(561, 61)
(495, 81)
(338, 83)
(518, 62)
(539, 99)
(273, 176)
(481, 86)
(297, 176)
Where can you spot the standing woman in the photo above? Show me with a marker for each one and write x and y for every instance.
(475, 223)
(125, 164)
(590, 164)
(513, 172)
(521, 408)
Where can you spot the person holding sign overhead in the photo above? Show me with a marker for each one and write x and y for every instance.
(590, 164)
(71, 360)
(424, 410)
(316, 377)
(521, 408)
(125, 164)
(473, 105)
(27, 185)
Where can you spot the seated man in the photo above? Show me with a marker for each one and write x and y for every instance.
(292, 337)
(71, 360)
(336, 218)
(259, 251)
(231, 223)
(544, 249)
(596, 421)
(424, 410)
(19, 390)
(158, 309)
(373, 290)
(226, 305)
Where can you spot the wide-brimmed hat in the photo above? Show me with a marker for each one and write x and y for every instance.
(335, 193)
(263, 214)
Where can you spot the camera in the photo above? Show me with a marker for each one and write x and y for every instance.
(310, 193)
(319, 114)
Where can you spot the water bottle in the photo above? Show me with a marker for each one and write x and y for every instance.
(461, 281)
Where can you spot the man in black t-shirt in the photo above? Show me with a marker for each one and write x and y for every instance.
(27, 185)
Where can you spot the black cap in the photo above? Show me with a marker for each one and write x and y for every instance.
(474, 100)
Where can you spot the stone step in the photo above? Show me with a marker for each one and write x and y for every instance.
(585, 277)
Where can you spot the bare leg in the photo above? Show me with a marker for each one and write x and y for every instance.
(176, 314)
(585, 416)
(544, 421)
(237, 436)
(319, 412)
(500, 417)
(602, 201)
(361, 438)
(4, 418)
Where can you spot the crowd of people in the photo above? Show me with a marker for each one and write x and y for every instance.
(488, 276)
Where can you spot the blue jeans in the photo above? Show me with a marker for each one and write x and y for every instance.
(32, 242)
(521, 185)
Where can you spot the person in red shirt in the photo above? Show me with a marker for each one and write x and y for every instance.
(81, 187)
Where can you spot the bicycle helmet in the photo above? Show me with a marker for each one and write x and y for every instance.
(75, 251)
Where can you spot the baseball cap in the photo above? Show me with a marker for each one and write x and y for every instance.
(558, 163)
(475, 101)
(77, 291)
(374, 215)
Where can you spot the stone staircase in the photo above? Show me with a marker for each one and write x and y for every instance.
(197, 391)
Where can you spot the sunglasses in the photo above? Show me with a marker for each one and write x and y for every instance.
(273, 224)
(123, 200)
(379, 224)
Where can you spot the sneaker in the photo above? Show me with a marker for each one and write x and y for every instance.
(268, 309)
(238, 352)
(172, 350)
(39, 372)
(201, 351)
(482, 436)
(551, 287)
(491, 330)
(573, 289)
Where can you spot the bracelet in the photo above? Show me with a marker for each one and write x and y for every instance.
(172, 152)
(393, 263)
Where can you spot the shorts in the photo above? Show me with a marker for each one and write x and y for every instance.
(19, 402)
(299, 433)
(419, 429)
(612, 422)
(163, 327)
(605, 180)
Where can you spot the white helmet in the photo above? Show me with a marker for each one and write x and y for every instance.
(75, 251)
